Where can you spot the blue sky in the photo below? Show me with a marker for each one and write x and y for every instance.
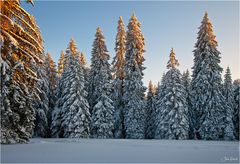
(165, 24)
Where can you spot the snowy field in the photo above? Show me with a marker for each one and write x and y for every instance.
(121, 151)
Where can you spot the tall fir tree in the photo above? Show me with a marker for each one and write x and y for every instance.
(150, 111)
(208, 103)
(60, 64)
(236, 113)
(118, 79)
(21, 55)
(56, 113)
(157, 101)
(99, 61)
(228, 88)
(134, 102)
(172, 110)
(187, 85)
(102, 122)
(228, 93)
(74, 108)
(51, 75)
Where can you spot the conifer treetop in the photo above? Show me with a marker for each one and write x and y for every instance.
(99, 46)
(71, 50)
(61, 59)
(173, 62)
(60, 64)
(50, 60)
(49, 56)
(72, 46)
(62, 54)
(82, 59)
(150, 87)
(120, 19)
(227, 75)
(236, 82)
(136, 39)
(206, 35)
(120, 48)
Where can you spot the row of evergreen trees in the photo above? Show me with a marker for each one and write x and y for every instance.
(108, 100)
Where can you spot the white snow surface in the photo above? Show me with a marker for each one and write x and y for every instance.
(120, 151)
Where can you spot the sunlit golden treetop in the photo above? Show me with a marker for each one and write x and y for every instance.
(206, 28)
(60, 64)
(82, 59)
(119, 59)
(151, 87)
(135, 40)
(173, 62)
(73, 46)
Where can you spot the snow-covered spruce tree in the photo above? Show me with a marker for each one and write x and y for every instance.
(51, 74)
(75, 116)
(86, 70)
(41, 105)
(118, 76)
(21, 54)
(71, 117)
(133, 91)
(208, 103)
(102, 123)
(99, 63)
(172, 111)
(228, 93)
(102, 118)
(60, 65)
(159, 93)
(56, 113)
(236, 107)
(150, 111)
(228, 88)
(157, 98)
(75, 109)
(187, 85)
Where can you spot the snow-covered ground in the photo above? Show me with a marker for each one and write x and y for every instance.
(121, 151)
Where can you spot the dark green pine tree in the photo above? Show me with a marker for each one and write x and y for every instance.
(208, 103)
